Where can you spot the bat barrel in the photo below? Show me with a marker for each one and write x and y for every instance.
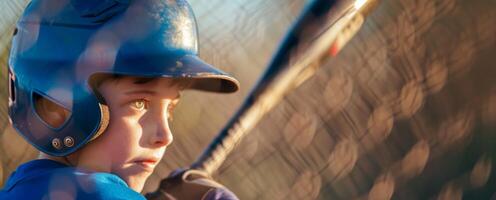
(308, 41)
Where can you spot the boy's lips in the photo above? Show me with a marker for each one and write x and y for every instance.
(147, 163)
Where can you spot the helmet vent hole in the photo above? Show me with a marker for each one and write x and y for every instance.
(50, 112)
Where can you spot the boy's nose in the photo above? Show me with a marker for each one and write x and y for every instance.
(163, 135)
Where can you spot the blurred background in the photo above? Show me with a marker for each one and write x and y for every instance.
(407, 110)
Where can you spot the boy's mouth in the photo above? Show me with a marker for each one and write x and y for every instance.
(147, 163)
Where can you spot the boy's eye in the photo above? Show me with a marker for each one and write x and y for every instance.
(140, 104)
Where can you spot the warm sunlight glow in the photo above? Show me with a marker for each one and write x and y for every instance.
(359, 3)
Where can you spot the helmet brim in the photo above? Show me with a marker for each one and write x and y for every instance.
(206, 77)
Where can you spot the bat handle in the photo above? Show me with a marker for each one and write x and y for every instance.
(216, 153)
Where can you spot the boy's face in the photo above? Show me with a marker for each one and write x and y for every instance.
(138, 132)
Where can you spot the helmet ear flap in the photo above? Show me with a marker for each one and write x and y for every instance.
(104, 121)
(94, 82)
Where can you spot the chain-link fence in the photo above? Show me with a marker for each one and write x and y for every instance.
(407, 110)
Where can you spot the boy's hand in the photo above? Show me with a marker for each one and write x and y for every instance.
(190, 184)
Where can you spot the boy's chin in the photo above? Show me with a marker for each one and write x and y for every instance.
(137, 182)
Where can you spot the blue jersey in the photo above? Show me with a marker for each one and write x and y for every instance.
(47, 179)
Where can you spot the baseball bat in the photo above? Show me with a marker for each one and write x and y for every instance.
(322, 29)
(319, 33)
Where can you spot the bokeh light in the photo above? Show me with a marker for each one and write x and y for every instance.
(405, 110)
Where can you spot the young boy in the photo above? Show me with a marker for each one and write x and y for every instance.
(92, 86)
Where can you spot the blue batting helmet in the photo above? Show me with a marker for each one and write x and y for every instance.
(60, 45)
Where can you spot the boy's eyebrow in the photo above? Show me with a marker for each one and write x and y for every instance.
(148, 92)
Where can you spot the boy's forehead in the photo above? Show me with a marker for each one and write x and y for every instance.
(132, 84)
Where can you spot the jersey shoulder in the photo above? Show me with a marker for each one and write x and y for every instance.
(44, 180)
(104, 186)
